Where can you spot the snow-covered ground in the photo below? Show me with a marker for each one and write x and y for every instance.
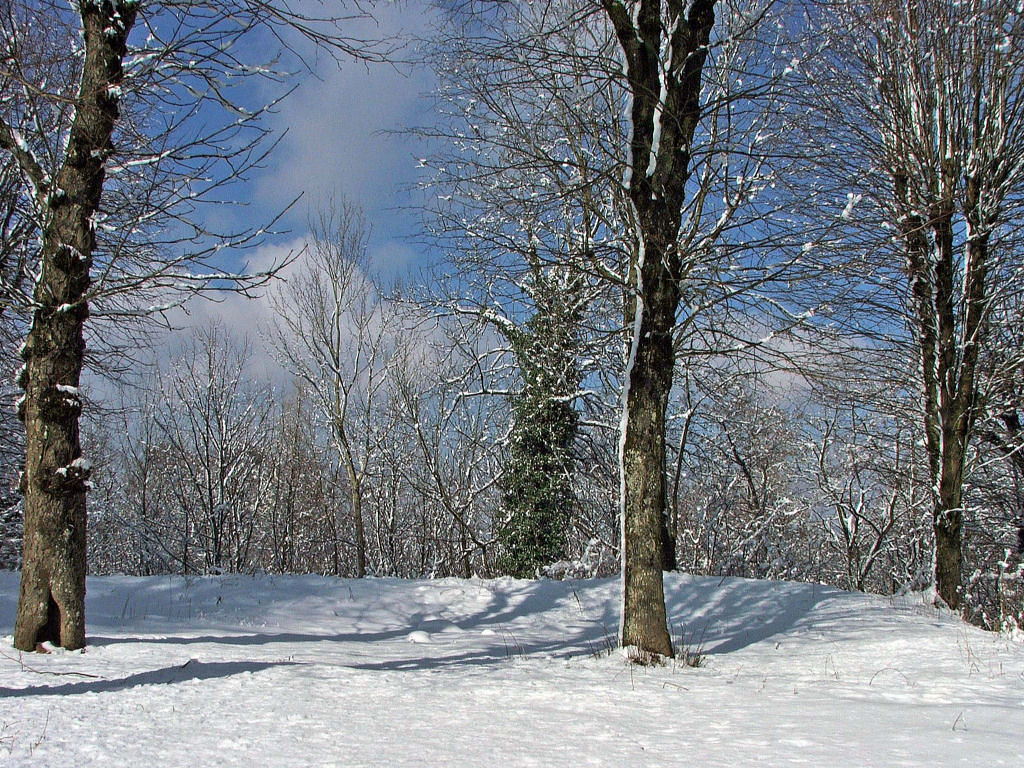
(309, 671)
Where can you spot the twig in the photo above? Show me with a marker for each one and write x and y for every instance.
(27, 668)
(958, 719)
(890, 669)
(674, 685)
(42, 736)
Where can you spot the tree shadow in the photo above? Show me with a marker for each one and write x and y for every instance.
(727, 615)
(712, 615)
(190, 670)
(498, 614)
(498, 631)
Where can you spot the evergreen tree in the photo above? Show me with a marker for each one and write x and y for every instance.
(537, 486)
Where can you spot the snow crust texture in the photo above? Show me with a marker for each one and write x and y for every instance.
(310, 671)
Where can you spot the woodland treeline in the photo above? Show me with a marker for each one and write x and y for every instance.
(727, 287)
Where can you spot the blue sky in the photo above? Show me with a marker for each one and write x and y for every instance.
(341, 134)
(338, 138)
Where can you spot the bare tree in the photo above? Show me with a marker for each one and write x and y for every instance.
(869, 496)
(51, 604)
(188, 464)
(118, 139)
(703, 97)
(335, 332)
(447, 447)
(298, 521)
(522, 151)
(630, 135)
(933, 136)
(215, 429)
(138, 529)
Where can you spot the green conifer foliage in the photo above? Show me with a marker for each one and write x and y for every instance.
(537, 492)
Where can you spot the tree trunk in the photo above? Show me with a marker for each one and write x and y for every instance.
(948, 372)
(669, 562)
(947, 523)
(51, 604)
(360, 530)
(644, 621)
(664, 114)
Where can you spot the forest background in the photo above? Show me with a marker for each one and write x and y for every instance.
(431, 382)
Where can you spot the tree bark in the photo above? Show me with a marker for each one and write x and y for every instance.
(949, 334)
(664, 114)
(644, 621)
(51, 604)
(356, 496)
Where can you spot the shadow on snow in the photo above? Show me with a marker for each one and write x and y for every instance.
(189, 671)
(714, 616)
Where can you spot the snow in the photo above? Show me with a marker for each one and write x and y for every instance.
(666, 56)
(303, 670)
(634, 347)
(851, 200)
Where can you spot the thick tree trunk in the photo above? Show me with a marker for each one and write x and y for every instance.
(947, 523)
(51, 604)
(644, 621)
(664, 114)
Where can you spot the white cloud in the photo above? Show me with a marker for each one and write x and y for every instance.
(242, 317)
(341, 135)
(393, 257)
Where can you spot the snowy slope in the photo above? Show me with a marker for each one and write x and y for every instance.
(309, 671)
